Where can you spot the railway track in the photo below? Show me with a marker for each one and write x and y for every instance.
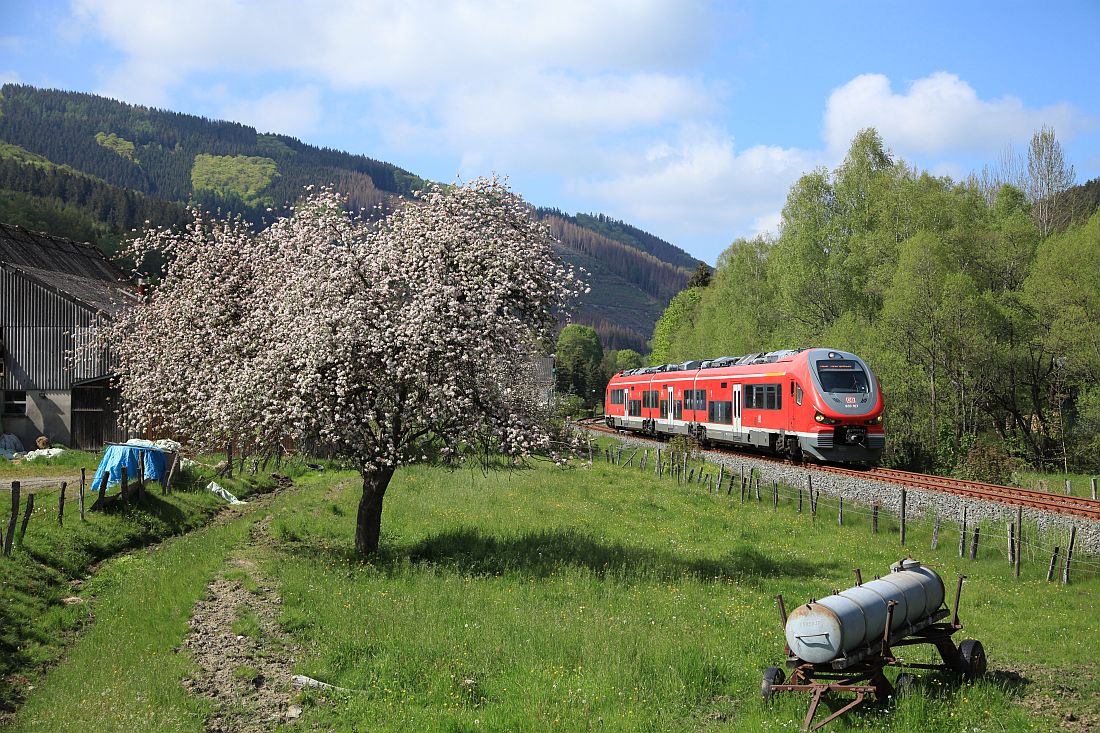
(1070, 505)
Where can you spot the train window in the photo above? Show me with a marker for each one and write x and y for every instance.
(700, 399)
(842, 376)
(634, 408)
(677, 410)
(798, 394)
(723, 385)
(664, 409)
(618, 396)
(721, 412)
(763, 397)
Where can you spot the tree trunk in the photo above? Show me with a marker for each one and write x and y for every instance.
(368, 523)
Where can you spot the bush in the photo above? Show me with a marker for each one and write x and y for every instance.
(988, 463)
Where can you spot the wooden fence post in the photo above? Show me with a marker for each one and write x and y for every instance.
(61, 505)
(125, 485)
(936, 532)
(840, 512)
(26, 518)
(903, 517)
(775, 496)
(874, 518)
(141, 474)
(962, 534)
(799, 499)
(1019, 541)
(1053, 563)
(83, 481)
(1011, 527)
(1093, 488)
(1069, 555)
(9, 537)
(1067, 487)
(974, 542)
(758, 487)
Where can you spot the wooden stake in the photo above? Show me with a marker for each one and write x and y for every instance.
(874, 518)
(10, 536)
(61, 505)
(775, 496)
(974, 542)
(1019, 541)
(962, 534)
(125, 485)
(758, 487)
(1053, 563)
(1093, 488)
(1011, 543)
(840, 512)
(83, 481)
(721, 473)
(800, 500)
(903, 517)
(936, 532)
(1067, 487)
(26, 518)
(1069, 555)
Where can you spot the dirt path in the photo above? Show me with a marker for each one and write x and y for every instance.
(244, 659)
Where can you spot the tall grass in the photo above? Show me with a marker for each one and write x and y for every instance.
(603, 598)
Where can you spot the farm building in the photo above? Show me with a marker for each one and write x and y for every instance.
(52, 291)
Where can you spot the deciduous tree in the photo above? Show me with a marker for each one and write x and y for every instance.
(382, 344)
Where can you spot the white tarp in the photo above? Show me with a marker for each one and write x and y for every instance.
(220, 491)
(43, 453)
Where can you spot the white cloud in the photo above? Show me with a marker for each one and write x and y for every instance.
(411, 46)
(288, 111)
(702, 185)
(938, 114)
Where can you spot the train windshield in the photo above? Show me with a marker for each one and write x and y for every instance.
(842, 375)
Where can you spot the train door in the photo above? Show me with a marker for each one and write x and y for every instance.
(736, 408)
(675, 409)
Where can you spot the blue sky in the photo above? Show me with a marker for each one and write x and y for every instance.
(689, 119)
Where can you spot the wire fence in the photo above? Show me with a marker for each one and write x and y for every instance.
(1057, 551)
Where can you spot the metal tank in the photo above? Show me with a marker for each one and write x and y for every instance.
(823, 630)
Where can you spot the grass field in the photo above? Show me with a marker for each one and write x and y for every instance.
(591, 598)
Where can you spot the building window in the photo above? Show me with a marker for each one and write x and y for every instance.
(15, 403)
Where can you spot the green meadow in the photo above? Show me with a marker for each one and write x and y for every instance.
(586, 598)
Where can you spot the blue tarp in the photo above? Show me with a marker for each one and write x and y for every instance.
(117, 456)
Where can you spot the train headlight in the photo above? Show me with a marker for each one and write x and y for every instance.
(825, 420)
(875, 421)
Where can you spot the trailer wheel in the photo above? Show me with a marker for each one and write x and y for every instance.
(772, 676)
(972, 659)
(903, 685)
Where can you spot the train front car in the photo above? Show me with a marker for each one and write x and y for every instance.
(842, 419)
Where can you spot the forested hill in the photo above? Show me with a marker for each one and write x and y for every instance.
(92, 168)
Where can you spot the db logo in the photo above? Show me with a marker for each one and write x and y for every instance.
(850, 400)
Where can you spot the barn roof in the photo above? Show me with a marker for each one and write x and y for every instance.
(76, 269)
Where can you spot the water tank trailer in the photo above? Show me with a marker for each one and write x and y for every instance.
(843, 642)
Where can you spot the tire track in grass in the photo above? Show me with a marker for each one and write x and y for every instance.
(124, 672)
(244, 659)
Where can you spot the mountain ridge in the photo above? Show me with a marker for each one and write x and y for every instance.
(78, 163)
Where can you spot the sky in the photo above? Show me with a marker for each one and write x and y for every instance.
(689, 119)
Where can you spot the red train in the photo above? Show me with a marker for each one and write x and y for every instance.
(817, 403)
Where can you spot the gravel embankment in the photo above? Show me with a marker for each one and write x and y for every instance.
(918, 503)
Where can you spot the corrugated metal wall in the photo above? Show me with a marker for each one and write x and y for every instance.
(40, 329)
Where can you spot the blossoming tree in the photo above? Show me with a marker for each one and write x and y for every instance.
(377, 342)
